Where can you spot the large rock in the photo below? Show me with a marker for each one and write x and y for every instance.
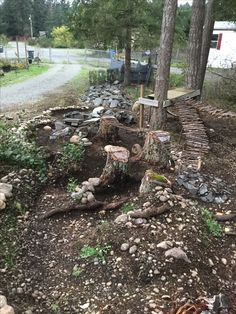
(7, 309)
(6, 189)
(177, 253)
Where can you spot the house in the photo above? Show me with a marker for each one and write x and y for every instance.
(223, 45)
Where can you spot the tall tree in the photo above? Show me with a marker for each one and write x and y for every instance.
(158, 119)
(111, 22)
(195, 44)
(39, 17)
(206, 40)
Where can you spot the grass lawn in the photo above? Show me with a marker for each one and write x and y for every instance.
(13, 77)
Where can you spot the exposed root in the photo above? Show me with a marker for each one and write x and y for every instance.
(150, 212)
(225, 217)
(90, 206)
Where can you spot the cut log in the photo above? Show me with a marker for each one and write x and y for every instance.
(156, 149)
(150, 180)
(91, 206)
(116, 165)
(108, 129)
(150, 212)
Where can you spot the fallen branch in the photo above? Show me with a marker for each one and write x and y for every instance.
(90, 206)
(225, 217)
(150, 212)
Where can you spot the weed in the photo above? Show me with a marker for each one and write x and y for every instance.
(76, 273)
(98, 251)
(213, 226)
(127, 207)
(176, 80)
(71, 154)
(71, 185)
(21, 209)
(55, 308)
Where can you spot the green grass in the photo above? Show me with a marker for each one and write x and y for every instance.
(13, 77)
(98, 251)
(80, 82)
(127, 207)
(212, 225)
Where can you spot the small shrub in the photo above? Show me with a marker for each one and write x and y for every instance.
(72, 154)
(127, 207)
(71, 185)
(213, 226)
(176, 80)
(76, 273)
(98, 251)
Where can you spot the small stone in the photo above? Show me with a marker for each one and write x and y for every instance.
(94, 181)
(19, 290)
(84, 200)
(90, 197)
(133, 249)
(3, 301)
(165, 245)
(147, 204)
(121, 219)
(137, 240)
(2, 205)
(47, 128)
(6, 189)
(163, 198)
(124, 247)
(85, 306)
(166, 297)
(224, 261)
(210, 262)
(177, 253)
(75, 139)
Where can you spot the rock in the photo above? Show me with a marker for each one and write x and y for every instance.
(61, 133)
(163, 198)
(114, 103)
(88, 144)
(124, 246)
(203, 189)
(165, 245)
(4, 179)
(47, 128)
(77, 195)
(3, 301)
(85, 306)
(7, 309)
(97, 112)
(59, 125)
(2, 205)
(94, 181)
(6, 189)
(2, 197)
(97, 102)
(133, 249)
(177, 253)
(224, 261)
(121, 219)
(90, 197)
(84, 200)
(75, 139)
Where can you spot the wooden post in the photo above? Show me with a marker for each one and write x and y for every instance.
(17, 49)
(141, 108)
(26, 57)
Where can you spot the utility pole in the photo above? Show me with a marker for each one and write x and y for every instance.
(31, 26)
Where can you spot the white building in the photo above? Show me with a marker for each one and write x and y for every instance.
(223, 45)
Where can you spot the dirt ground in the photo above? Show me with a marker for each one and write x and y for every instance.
(50, 275)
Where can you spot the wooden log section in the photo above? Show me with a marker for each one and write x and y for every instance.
(108, 129)
(116, 165)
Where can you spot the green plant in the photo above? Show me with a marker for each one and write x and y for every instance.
(21, 209)
(71, 185)
(176, 80)
(77, 272)
(213, 226)
(16, 149)
(55, 308)
(98, 251)
(127, 207)
(71, 154)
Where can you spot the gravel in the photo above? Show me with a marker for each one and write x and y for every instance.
(37, 87)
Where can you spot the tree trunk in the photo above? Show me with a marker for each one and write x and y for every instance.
(158, 118)
(206, 41)
(127, 57)
(195, 44)
(116, 165)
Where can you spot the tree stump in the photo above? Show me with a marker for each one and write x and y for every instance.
(108, 129)
(116, 165)
(150, 180)
(156, 149)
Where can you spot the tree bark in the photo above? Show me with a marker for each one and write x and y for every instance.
(195, 44)
(116, 165)
(108, 129)
(158, 117)
(127, 57)
(206, 41)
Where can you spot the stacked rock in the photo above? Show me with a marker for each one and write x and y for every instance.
(84, 193)
(5, 192)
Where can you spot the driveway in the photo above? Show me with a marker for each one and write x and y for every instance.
(38, 87)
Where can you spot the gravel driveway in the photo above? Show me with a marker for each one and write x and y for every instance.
(37, 87)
